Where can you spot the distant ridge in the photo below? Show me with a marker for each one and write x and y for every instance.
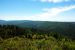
(66, 28)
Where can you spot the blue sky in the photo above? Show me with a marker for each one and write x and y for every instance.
(41, 10)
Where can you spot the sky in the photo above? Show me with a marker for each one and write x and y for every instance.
(38, 10)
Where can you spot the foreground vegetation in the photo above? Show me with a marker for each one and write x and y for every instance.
(15, 38)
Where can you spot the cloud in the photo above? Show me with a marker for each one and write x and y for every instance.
(48, 14)
(54, 1)
(55, 11)
(51, 13)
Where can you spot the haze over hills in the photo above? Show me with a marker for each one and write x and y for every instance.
(39, 35)
(66, 28)
(38, 24)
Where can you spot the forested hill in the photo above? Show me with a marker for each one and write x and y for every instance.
(65, 28)
(37, 35)
(39, 24)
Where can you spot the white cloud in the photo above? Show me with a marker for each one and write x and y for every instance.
(48, 14)
(55, 11)
(54, 1)
(52, 13)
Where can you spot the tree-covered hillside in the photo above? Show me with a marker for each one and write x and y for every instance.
(17, 38)
(63, 28)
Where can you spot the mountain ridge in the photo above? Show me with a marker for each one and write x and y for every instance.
(66, 28)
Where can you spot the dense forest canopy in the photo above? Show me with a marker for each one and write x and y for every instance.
(63, 28)
(31, 35)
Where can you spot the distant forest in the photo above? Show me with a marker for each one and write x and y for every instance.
(18, 38)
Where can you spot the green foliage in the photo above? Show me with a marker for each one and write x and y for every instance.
(15, 38)
(18, 43)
